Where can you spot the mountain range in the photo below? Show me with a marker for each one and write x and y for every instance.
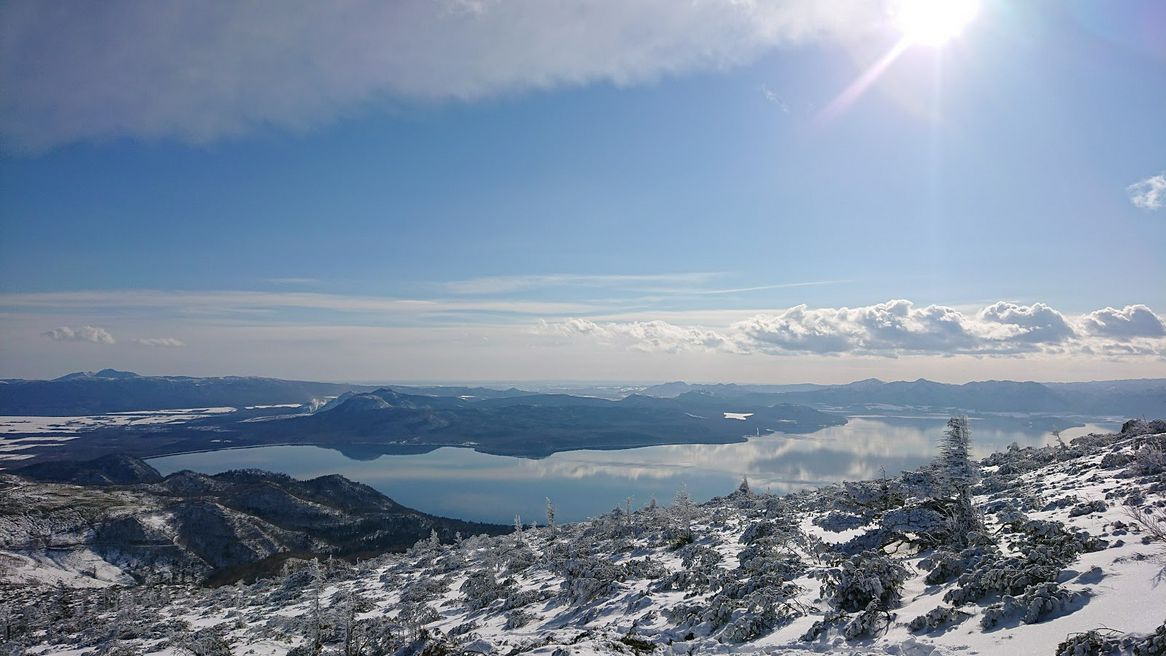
(1119, 398)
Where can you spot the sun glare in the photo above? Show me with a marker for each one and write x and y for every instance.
(934, 22)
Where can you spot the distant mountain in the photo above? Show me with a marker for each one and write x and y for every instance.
(677, 388)
(109, 390)
(107, 374)
(213, 528)
(1117, 398)
(536, 425)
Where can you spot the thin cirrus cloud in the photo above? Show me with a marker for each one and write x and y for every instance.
(160, 342)
(1150, 193)
(508, 284)
(201, 71)
(894, 328)
(272, 304)
(91, 334)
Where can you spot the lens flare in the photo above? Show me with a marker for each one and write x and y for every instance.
(934, 22)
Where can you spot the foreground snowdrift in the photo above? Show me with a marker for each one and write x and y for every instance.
(1055, 558)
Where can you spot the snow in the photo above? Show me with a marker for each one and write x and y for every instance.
(739, 416)
(51, 431)
(657, 576)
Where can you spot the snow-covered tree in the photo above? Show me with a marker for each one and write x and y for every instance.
(957, 474)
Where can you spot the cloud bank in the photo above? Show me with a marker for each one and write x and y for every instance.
(92, 334)
(895, 328)
(200, 71)
(1149, 194)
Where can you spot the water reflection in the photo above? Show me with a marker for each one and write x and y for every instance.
(466, 484)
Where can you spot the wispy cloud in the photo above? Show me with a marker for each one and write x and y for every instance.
(760, 288)
(198, 71)
(294, 282)
(509, 284)
(249, 302)
(160, 342)
(894, 328)
(771, 96)
(1149, 194)
(91, 334)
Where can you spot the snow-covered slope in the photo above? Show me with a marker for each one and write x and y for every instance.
(1065, 546)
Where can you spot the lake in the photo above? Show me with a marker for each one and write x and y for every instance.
(461, 483)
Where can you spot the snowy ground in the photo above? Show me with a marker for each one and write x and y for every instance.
(20, 433)
(876, 567)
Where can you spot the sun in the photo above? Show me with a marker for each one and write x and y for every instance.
(933, 22)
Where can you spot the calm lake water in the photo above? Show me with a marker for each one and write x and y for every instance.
(462, 483)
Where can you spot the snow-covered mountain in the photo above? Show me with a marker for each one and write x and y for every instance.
(1063, 553)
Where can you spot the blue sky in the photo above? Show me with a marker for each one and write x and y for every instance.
(640, 192)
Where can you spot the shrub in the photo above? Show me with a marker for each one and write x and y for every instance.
(863, 580)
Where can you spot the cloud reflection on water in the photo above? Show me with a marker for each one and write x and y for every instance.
(463, 483)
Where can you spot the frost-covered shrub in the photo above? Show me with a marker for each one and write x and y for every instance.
(1062, 502)
(758, 530)
(944, 566)
(522, 598)
(423, 589)
(463, 628)
(1089, 643)
(1153, 644)
(519, 559)
(1045, 549)
(1037, 603)
(699, 557)
(935, 618)
(868, 541)
(915, 519)
(644, 568)
(587, 578)
(518, 619)
(1143, 427)
(1115, 460)
(1148, 460)
(1088, 507)
(836, 522)
(869, 623)
(863, 579)
(209, 642)
(682, 580)
(763, 613)
(820, 627)
(481, 588)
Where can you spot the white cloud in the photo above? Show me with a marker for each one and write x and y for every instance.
(200, 71)
(162, 342)
(651, 336)
(92, 334)
(1128, 322)
(896, 328)
(1149, 194)
(1036, 323)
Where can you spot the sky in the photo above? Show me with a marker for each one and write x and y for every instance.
(507, 190)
